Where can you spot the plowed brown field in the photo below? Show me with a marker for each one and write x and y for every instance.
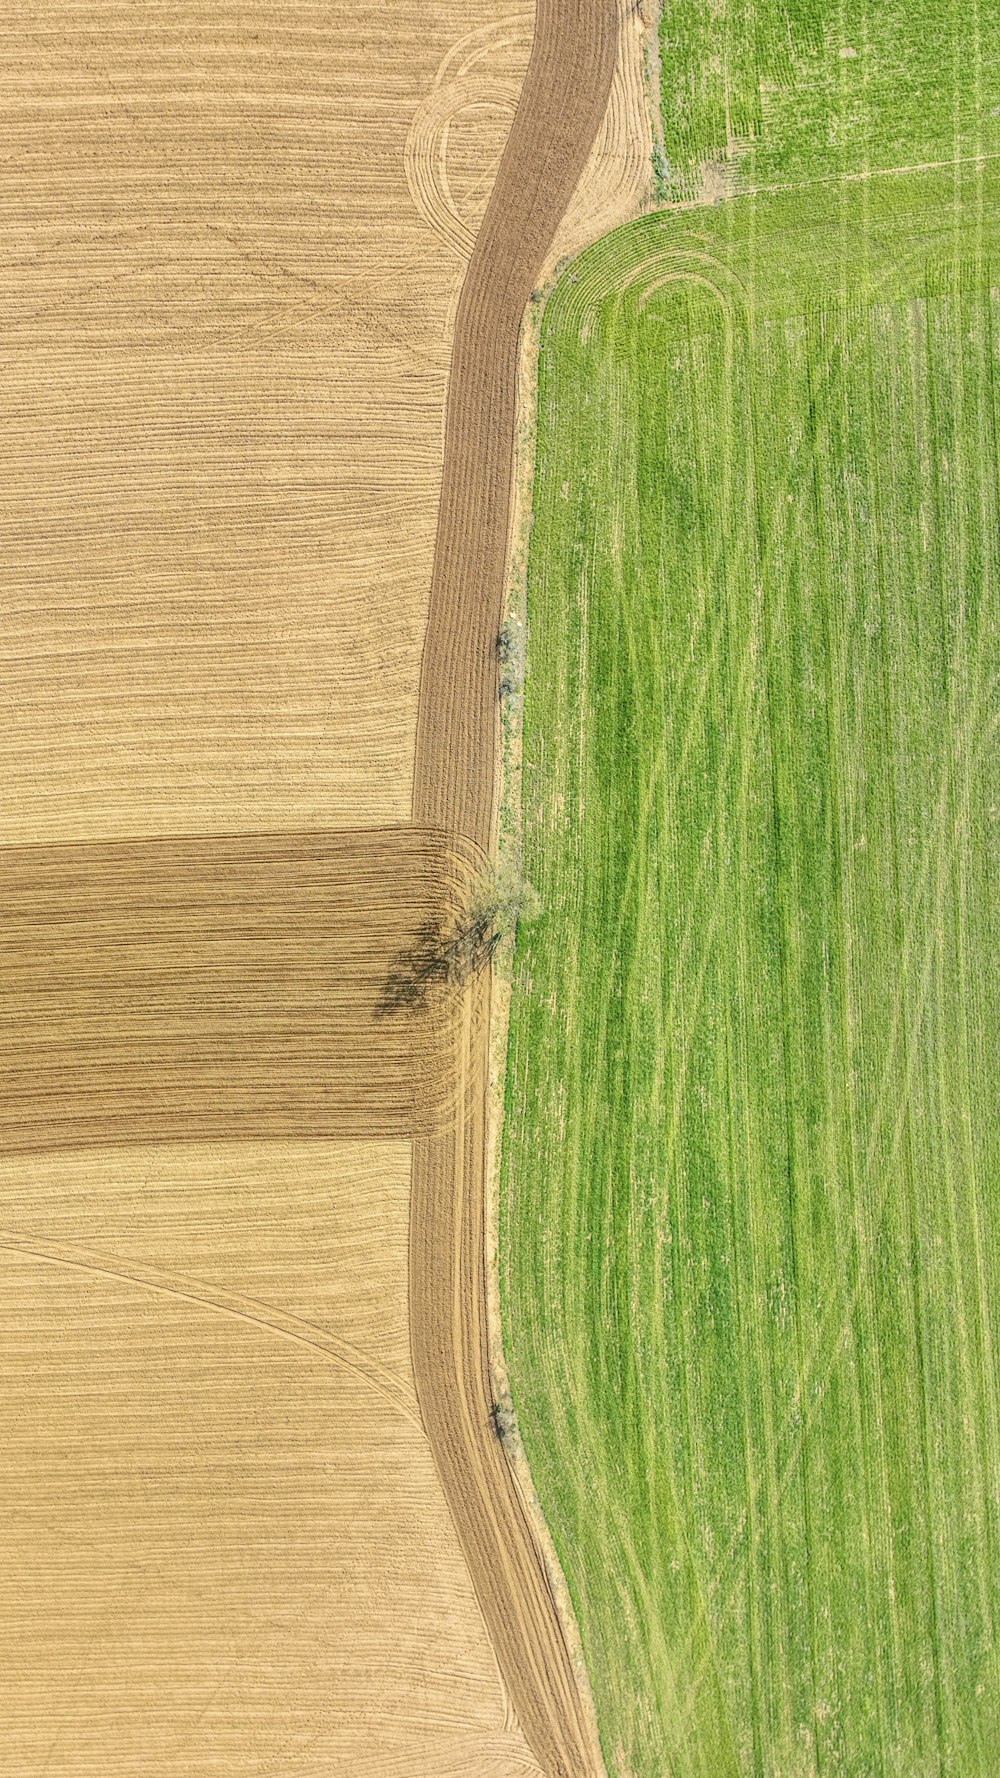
(171, 989)
(246, 1376)
(225, 337)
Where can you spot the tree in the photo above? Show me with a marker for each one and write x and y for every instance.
(510, 655)
(505, 1422)
(450, 955)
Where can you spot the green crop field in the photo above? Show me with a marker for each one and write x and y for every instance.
(799, 90)
(750, 1208)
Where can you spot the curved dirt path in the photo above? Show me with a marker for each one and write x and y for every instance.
(560, 112)
(562, 106)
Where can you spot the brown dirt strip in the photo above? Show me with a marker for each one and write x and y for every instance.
(562, 105)
(449, 1343)
(175, 989)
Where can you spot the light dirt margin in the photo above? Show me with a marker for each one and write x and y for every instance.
(563, 104)
(616, 186)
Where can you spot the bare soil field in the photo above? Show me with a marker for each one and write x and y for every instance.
(173, 989)
(226, 1547)
(259, 1521)
(224, 331)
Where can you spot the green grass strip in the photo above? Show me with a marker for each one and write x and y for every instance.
(751, 1174)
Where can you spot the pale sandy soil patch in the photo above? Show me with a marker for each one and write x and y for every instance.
(224, 347)
(226, 1548)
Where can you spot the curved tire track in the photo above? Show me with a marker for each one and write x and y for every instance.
(561, 109)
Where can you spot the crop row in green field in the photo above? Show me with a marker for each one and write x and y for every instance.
(798, 90)
(751, 1180)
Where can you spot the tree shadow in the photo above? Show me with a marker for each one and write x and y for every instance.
(440, 957)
